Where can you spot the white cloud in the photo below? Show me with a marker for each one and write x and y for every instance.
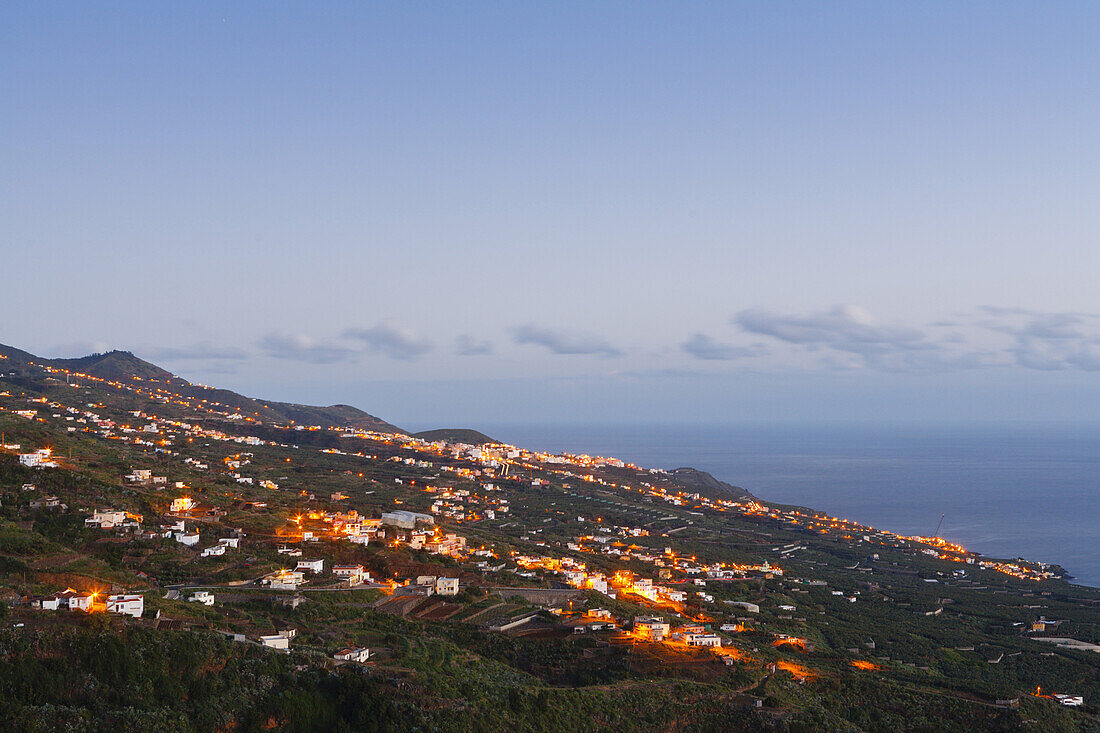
(560, 342)
(391, 339)
(299, 347)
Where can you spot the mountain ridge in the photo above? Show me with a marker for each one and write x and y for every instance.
(118, 365)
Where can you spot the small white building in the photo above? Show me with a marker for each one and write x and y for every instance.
(129, 604)
(285, 580)
(354, 574)
(352, 655)
(204, 597)
(81, 602)
(703, 640)
(182, 504)
(187, 538)
(275, 641)
(39, 459)
(230, 542)
(313, 566)
(446, 586)
(105, 519)
(71, 599)
(651, 628)
(213, 551)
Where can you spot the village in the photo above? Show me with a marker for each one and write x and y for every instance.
(521, 543)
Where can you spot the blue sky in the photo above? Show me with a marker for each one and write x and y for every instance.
(473, 212)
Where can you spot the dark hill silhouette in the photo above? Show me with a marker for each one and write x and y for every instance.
(125, 366)
(456, 435)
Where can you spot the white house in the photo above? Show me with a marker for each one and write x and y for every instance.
(750, 607)
(105, 519)
(39, 459)
(352, 655)
(129, 604)
(446, 586)
(275, 641)
(187, 538)
(313, 566)
(213, 551)
(80, 602)
(204, 597)
(285, 580)
(230, 542)
(703, 640)
(182, 504)
(352, 573)
(405, 519)
(69, 598)
(652, 628)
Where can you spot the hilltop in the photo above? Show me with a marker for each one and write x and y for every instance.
(124, 365)
(456, 435)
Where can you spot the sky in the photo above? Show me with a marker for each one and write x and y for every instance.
(459, 213)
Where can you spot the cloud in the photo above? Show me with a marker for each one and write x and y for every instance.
(848, 328)
(564, 343)
(203, 350)
(466, 345)
(1046, 341)
(392, 339)
(298, 347)
(702, 346)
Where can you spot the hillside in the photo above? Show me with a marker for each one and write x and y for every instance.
(456, 435)
(702, 480)
(124, 365)
(170, 560)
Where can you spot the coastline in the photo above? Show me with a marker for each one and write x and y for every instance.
(984, 478)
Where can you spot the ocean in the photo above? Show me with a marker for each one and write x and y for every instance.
(1007, 491)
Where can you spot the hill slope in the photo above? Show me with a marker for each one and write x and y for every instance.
(456, 435)
(124, 365)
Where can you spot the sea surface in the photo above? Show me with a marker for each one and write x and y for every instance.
(1006, 491)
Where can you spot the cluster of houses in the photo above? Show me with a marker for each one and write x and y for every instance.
(129, 604)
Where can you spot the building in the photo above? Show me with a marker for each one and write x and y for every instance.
(187, 538)
(129, 604)
(354, 574)
(182, 504)
(39, 459)
(105, 519)
(405, 520)
(71, 599)
(285, 580)
(750, 607)
(313, 566)
(352, 655)
(275, 641)
(652, 628)
(204, 597)
(703, 640)
(446, 586)
(213, 551)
